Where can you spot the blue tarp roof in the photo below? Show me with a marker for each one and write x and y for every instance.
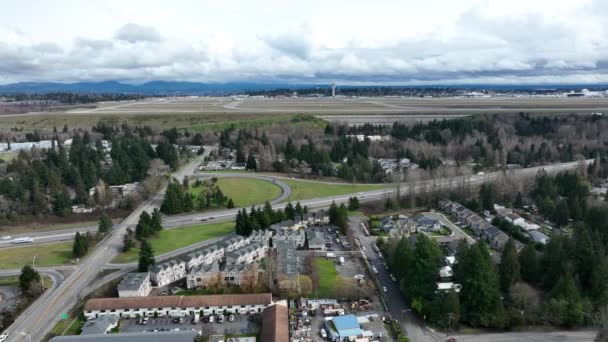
(346, 322)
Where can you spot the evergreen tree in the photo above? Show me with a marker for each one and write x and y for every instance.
(509, 267)
(146, 256)
(529, 264)
(127, 240)
(480, 294)
(28, 277)
(353, 203)
(298, 209)
(104, 225)
(230, 204)
(290, 211)
(251, 164)
(156, 220)
(80, 246)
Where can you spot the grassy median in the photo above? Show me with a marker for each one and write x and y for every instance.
(171, 239)
(248, 191)
(309, 189)
(51, 254)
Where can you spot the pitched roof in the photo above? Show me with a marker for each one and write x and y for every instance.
(177, 301)
(275, 324)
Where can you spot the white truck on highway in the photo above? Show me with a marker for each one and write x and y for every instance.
(330, 255)
(341, 259)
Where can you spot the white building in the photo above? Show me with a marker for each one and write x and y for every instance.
(247, 254)
(135, 285)
(205, 256)
(177, 306)
(168, 272)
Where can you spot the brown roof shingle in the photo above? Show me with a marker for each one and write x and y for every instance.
(178, 301)
(275, 324)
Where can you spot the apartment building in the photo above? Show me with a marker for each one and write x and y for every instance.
(135, 285)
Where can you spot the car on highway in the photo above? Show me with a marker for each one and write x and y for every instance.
(374, 269)
(6, 237)
(384, 289)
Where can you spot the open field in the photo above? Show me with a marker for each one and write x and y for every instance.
(202, 113)
(194, 122)
(170, 240)
(309, 189)
(329, 279)
(248, 191)
(51, 254)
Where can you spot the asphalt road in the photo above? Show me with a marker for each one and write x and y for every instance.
(44, 313)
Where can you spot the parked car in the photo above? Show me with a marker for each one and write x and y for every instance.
(374, 269)
(323, 333)
(211, 319)
(145, 320)
(393, 278)
(220, 319)
(384, 289)
(231, 318)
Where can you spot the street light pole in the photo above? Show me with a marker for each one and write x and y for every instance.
(34, 267)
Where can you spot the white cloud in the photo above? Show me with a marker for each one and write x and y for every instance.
(395, 42)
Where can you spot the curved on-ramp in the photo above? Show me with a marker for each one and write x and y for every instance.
(285, 189)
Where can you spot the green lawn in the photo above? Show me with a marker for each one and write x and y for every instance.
(51, 254)
(171, 239)
(329, 279)
(248, 191)
(306, 189)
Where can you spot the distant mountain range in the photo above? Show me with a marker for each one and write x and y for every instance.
(195, 88)
(149, 88)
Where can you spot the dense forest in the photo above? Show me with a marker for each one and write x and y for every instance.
(50, 181)
(563, 283)
(440, 147)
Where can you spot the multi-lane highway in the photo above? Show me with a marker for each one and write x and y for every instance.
(46, 311)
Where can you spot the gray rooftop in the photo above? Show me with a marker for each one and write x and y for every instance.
(158, 336)
(287, 263)
(132, 281)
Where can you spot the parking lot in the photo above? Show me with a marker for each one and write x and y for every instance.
(242, 324)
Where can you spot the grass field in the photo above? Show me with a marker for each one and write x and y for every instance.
(247, 191)
(51, 254)
(329, 279)
(306, 189)
(172, 239)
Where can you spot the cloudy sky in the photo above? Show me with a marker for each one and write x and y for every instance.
(350, 42)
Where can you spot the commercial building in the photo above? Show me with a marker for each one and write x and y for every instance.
(157, 336)
(135, 285)
(177, 306)
(343, 328)
(275, 323)
(316, 241)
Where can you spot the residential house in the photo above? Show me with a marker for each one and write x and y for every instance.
(261, 236)
(247, 254)
(205, 275)
(205, 256)
(298, 237)
(495, 237)
(234, 243)
(538, 237)
(286, 275)
(135, 285)
(514, 219)
(168, 272)
(236, 274)
(426, 223)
